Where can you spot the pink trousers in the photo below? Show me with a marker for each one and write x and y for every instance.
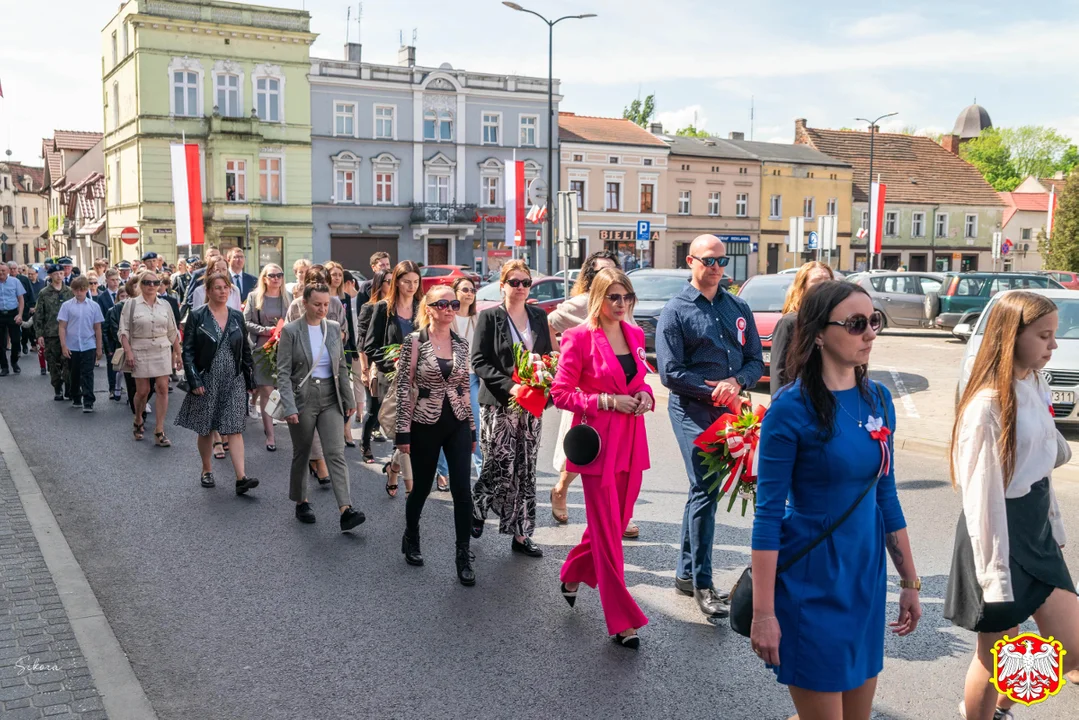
(597, 560)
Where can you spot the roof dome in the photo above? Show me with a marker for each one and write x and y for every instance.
(971, 122)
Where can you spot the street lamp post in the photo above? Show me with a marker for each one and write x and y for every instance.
(872, 137)
(550, 118)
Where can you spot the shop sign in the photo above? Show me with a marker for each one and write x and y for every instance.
(162, 231)
(624, 235)
(500, 253)
(495, 219)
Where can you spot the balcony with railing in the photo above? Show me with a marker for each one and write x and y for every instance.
(444, 214)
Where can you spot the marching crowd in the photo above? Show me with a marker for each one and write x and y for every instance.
(331, 355)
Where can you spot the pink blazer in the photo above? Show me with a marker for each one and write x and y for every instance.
(588, 367)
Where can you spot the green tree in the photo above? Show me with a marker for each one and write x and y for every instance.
(641, 112)
(690, 131)
(1037, 150)
(990, 154)
(1061, 251)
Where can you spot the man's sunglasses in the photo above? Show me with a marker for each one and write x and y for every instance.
(856, 324)
(275, 276)
(710, 261)
(617, 299)
(153, 283)
(454, 305)
(515, 283)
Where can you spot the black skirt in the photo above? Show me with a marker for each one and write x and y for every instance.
(1034, 559)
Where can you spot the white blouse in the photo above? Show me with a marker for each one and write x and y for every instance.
(465, 327)
(1039, 447)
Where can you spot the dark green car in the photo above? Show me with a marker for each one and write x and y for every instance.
(964, 295)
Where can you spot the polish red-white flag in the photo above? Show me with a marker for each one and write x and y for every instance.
(187, 194)
(1, 90)
(876, 215)
(515, 204)
(1052, 211)
(537, 214)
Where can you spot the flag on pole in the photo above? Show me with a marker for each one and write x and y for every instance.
(1, 90)
(861, 234)
(187, 194)
(537, 214)
(876, 215)
(515, 204)
(1052, 211)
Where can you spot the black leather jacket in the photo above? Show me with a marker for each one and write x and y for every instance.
(201, 341)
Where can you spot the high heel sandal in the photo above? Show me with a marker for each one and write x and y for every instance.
(139, 429)
(368, 456)
(221, 455)
(569, 595)
(314, 474)
(161, 441)
(627, 641)
(391, 488)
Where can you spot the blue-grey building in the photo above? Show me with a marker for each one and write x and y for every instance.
(410, 159)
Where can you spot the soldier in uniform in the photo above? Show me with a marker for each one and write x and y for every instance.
(49, 301)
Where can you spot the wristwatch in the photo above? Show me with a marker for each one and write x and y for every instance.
(915, 584)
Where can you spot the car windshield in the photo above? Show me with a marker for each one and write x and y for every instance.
(434, 271)
(1067, 312)
(657, 287)
(489, 292)
(766, 295)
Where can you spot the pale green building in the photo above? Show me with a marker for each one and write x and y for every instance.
(233, 79)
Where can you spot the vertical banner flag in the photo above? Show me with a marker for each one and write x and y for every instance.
(187, 194)
(1052, 211)
(515, 204)
(876, 215)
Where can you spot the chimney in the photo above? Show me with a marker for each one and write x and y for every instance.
(950, 143)
(736, 136)
(656, 128)
(406, 56)
(352, 52)
(801, 137)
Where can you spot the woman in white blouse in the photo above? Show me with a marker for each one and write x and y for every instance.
(1007, 565)
(198, 295)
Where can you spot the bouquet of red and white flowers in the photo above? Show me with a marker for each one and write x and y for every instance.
(729, 451)
(269, 350)
(391, 353)
(535, 374)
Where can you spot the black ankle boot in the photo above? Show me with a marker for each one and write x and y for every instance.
(465, 573)
(410, 546)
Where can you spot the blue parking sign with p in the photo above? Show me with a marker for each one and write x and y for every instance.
(644, 230)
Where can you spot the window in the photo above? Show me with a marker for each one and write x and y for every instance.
(7, 217)
(685, 167)
(891, 224)
(384, 168)
(647, 194)
(942, 225)
(124, 30)
(114, 50)
(775, 207)
(438, 189)
(438, 126)
(25, 217)
(577, 186)
(430, 120)
(344, 119)
(36, 224)
(970, 287)
(491, 123)
(929, 285)
(445, 126)
(970, 228)
(529, 123)
(236, 180)
(578, 157)
(684, 200)
(268, 99)
(116, 182)
(612, 160)
(865, 219)
(833, 204)
(185, 93)
(647, 161)
(270, 179)
(901, 284)
(713, 204)
(384, 188)
(345, 186)
(917, 224)
(809, 208)
(1024, 234)
(489, 185)
(743, 171)
(115, 105)
(384, 121)
(614, 190)
(228, 95)
(741, 205)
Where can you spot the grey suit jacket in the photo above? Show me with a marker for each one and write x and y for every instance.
(294, 358)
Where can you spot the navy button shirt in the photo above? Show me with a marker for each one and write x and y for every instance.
(698, 340)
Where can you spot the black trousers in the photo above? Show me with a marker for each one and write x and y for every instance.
(82, 376)
(9, 331)
(453, 437)
(369, 425)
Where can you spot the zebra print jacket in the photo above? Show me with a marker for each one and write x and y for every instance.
(430, 387)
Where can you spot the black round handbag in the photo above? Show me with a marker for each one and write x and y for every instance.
(582, 444)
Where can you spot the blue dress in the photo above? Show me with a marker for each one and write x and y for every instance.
(830, 604)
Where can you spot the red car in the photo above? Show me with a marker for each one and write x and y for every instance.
(1069, 280)
(431, 275)
(546, 292)
(765, 295)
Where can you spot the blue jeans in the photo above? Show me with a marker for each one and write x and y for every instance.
(690, 418)
(477, 457)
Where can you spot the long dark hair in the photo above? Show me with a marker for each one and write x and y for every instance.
(377, 281)
(588, 271)
(804, 359)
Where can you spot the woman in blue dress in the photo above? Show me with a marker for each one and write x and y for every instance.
(820, 624)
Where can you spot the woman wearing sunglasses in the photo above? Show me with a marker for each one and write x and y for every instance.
(601, 381)
(151, 352)
(509, 437)
(827, 474)
(434, 415)
(266, 305)
(810, 274)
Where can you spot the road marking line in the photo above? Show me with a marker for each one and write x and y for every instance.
(908, 404)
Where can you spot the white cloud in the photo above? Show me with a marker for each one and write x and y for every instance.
(677, 119)
(886, 25)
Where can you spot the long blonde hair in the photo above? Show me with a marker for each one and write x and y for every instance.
(994, 369)
(423, 318)
(263, 284)
(801, 279)
(598, 293)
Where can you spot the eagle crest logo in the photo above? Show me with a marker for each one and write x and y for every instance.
(1028, 668)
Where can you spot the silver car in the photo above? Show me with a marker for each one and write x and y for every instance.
(900, 296)
(1062, 372)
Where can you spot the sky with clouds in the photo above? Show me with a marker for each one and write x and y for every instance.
(829, 61)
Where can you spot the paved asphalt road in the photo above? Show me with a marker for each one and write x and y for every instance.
(230, 609)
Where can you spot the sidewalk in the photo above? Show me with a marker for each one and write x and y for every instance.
(42, 670)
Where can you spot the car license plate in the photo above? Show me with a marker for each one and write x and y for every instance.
(1063, 397)
(767, 357)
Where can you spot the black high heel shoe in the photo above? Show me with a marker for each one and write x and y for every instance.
(627, 641)
(569, 595)
(410, 546)
(314, 474)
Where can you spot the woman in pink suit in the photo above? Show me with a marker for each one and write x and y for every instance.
(601, 378)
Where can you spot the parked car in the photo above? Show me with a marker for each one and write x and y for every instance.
(1069, 280)
(965, 295)
(546, 292)
(766, 295)
(431, 275)
(1062, 372)
(654, 289)
(900, 296)
(572, 275)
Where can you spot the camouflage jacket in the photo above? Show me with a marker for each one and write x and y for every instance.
(48, 305)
